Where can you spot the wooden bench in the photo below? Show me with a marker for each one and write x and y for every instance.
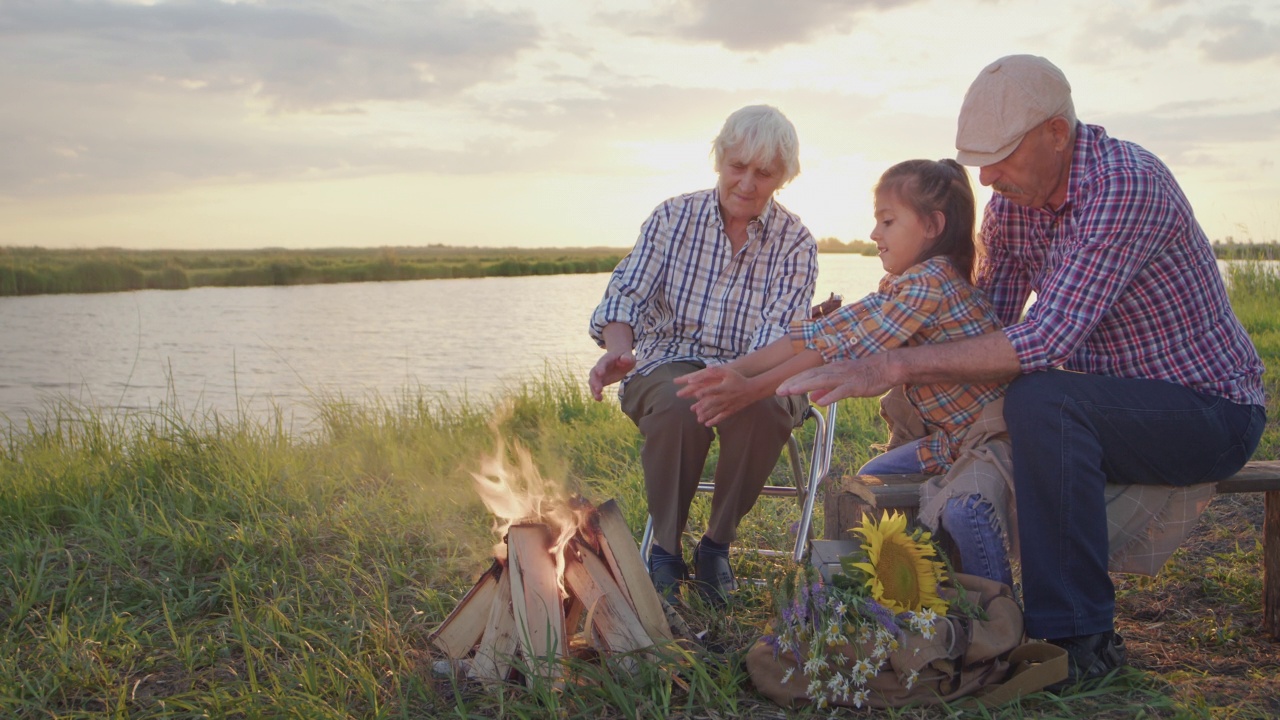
(849, 497)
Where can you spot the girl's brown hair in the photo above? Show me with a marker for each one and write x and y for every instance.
(930, 186)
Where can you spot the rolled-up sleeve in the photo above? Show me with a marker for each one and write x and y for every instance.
(633, 282)
(881, 321)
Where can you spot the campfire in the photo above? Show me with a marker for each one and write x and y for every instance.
(567, 579)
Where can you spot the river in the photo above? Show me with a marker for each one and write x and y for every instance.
(253, 350)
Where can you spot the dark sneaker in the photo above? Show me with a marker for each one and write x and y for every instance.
(713, 575)
(667, 578)
(1089, 658)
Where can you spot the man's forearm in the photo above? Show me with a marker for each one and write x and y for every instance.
(989, 358)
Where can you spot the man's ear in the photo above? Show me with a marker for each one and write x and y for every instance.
(1060, 129)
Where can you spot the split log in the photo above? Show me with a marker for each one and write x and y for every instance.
(615, 624)
(622, 553)
(459, 632)
(493, 657)
(535, 600)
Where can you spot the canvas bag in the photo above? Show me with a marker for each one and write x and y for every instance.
(987, 660)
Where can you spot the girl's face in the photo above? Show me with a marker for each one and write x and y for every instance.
(900, 234)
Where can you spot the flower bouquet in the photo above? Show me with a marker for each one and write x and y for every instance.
(895, 626)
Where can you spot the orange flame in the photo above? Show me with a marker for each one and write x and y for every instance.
(520, 494)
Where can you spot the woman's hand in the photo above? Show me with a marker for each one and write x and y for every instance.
(609, 369)
(720, 391)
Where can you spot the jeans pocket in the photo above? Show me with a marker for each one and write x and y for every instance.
(1251, 418)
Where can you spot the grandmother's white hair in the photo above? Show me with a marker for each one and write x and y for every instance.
(763, 134)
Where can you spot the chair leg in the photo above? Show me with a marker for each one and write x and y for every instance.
(646, 542)
(806, 484)
(819, 466)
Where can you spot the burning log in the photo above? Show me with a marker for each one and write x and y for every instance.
(535, 599)
(567, 575)
(520, 614)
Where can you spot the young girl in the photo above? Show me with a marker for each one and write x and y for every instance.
(925, 234)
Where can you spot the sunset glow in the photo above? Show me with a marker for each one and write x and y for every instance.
(214, 124)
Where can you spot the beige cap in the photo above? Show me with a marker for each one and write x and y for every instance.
(1008, 98)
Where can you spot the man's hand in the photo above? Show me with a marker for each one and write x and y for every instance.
(864, 377)
(721, 392)
(609, 369)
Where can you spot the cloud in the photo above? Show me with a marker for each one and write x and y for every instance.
(113, 97)
(1238, 37)
(749, 25)
(295, 55)
(1193, 134)
(1231, 35)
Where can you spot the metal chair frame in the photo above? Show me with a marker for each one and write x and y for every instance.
(806, 485)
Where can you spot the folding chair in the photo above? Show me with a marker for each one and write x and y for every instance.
(806, 485)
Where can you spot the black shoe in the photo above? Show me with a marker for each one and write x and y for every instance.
(713, 575)
(1089, 658)
(667, 578)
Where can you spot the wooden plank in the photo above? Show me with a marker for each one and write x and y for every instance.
(1256, 476)
(848, 498)
(493, 657)
(458, 634)
(620, 550)
(535, 601)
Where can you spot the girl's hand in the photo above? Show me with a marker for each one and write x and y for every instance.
(720, 391)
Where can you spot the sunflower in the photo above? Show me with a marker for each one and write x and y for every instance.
(900, 570)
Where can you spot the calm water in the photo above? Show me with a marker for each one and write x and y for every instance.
(243, 350)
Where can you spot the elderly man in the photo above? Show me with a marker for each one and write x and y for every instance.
(1130, 366)
(714, 275)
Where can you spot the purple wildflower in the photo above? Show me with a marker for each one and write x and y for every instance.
(884, 616)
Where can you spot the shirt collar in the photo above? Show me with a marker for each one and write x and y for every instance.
(765, 216)
(1087, 136)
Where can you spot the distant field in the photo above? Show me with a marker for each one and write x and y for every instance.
(40, 271)
(36, 271)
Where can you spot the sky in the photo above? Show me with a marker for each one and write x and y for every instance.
(193, 124)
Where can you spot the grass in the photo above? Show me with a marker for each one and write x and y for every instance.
(158, 566)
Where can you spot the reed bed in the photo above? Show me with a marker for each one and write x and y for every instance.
(161, 566)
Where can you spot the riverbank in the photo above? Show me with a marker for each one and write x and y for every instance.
(40, 271)
(157, 566)
(36, 271)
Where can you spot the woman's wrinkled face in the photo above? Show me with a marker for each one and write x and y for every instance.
(900, 234)
(746, 184)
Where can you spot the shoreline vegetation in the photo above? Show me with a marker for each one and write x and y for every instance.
(157, 565)
(41, 271)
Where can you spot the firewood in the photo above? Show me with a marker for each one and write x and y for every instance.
(458, 634)
(498, 644)
(535, 600)
(622, 553)
(611, 617)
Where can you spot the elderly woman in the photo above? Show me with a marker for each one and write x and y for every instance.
(714, 275)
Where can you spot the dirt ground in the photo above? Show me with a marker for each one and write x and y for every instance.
(1199, 625)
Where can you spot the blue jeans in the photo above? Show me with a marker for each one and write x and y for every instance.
(1072, 433)
(970, 521)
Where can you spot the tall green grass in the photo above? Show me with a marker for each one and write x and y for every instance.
(154, 565)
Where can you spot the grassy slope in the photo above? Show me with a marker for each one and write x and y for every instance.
(158, 566)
